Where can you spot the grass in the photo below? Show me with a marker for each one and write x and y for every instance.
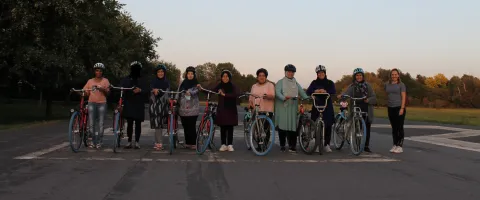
(26, 112)
(458, 116)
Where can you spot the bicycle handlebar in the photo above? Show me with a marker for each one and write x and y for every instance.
(349, 97)
(122, 88)
(254, 95)
(209, 91)
(320, 108)
(171, 92)
(83, 90)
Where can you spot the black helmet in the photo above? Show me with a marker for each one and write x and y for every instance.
(290, 68)
(262, 70)
(229, 74)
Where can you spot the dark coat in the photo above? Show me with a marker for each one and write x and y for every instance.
(328, 114)
(227, 116)
(134, 104)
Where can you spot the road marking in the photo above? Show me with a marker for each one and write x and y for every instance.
(221, 160)
(36, 154)
(458, 144)
(423, 127)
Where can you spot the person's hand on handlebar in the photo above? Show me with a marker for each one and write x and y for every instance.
(320, 91)
(155, 92)
(137, 90)
(221, 92)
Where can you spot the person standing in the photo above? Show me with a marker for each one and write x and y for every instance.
(134, 103)
(189, 106)
(358, 89)
(227, 113)
(97, 105)
(159, 104)
(287, 90)
(397, 96)
(323, 85)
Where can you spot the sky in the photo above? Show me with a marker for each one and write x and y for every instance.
(417, 36)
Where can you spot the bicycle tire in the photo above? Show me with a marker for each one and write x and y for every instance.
(353, 134)
(171, 137)
(271, 139)
(319, 136)
(71, 135)
(246, 133)
(337, 140)
(307, 123)
(116, 133)
(207, 124)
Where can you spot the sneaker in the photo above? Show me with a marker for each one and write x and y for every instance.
(158, 146)
(137, 146)
(128, 146)
(292, 150)
(398, 150)
(327, 149)
(367, 149)
(223, 148)
(317, 150)
(394, 148)
(230, 148)
(98, 146)
(282, 149)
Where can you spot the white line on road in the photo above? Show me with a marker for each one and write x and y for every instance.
(458, 144)
(36, 154)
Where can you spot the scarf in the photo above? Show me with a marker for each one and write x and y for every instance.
(290, 87)
(160, 83)
(322, 82)
(361, 88)
(187, 84)
(228, 88)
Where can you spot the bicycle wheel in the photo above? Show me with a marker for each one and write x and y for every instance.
(171, 137)
(116, 132)
(306, 134)
(246, 133)
(204, 135)
(319, 135)
(258, 135)
(358, 133)
(338, 132)
(75, 134)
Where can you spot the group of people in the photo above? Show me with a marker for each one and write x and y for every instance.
(279, 99)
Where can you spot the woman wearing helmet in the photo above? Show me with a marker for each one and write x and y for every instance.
(134, 102)
(189, 106)
(227, 114)
(287, 90)
(159, 104)
(97, 104)
(323, 85)
(264, 88)
(358, 89)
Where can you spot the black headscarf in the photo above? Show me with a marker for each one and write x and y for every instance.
(160, 83)
(135, 73)
(324, 82)
(187, 84)
(228, 88)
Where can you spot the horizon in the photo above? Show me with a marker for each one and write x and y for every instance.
(427, 37)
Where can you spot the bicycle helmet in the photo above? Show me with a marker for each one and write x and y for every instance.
(320, 68)
(262, 70)
(358, 70)
(136, 63)
(161, 67)
(290, 68)
(99, 66)
(190, 69)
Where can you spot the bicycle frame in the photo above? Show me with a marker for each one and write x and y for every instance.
(83, 119)
(172, 123)
(119, 110)
(357, 113)
(209, 112)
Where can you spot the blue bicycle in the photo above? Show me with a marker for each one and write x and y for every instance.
(259, 129)
(351, 129)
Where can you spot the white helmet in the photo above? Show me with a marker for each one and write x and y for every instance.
(320, 68)
(136, 63)
(99, 66)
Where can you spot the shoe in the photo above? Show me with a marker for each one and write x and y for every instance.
(327, 149)
(223, 148)
(98, 146)
(292, 150)
(393, 148)
(230, 148)
(367, 149)
(282, 149)
(158, 146)
(137, 146)
(398, 150)
(128, 146)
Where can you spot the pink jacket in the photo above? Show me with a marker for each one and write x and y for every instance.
(268, 103)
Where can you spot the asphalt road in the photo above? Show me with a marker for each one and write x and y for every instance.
(439, 162)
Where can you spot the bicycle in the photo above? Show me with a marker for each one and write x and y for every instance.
(79, 117)
(256, 129)
(206, 129)
(319, 128)
(118, 122)
(172, 120)
(348, 128)
(305, 129)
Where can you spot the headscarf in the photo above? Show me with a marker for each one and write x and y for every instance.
(186, 83)
(160, 83)
(135, 73)
(290, 87)
(360, 87)
(228, 88)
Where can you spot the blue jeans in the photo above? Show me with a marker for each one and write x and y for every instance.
(96, 117)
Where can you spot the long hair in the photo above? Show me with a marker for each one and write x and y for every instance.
(390, 75)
